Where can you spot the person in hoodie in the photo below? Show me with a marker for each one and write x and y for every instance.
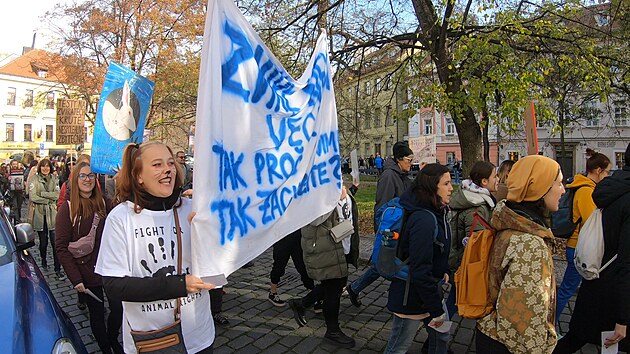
(521, 278)
(597, 168)
(602, 304)
(473, 196)
(420, 301)
(391, 184)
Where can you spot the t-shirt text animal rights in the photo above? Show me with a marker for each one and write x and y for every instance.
(145, 245)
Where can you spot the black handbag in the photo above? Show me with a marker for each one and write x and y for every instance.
(168, 339)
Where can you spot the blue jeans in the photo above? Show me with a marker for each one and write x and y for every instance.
(404, 331)
(365, 280)
(570, 283)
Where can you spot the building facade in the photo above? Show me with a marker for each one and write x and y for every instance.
(29, 88)
(604, 128)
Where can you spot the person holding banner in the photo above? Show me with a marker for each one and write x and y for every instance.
(145, 254)
(326, 256)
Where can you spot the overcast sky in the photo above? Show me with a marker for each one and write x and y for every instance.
(19, 19)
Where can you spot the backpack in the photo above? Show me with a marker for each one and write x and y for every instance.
(386, 258)
(562, 224)
(471, 279)
(589, 252)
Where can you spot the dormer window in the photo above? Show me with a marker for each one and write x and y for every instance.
(42, 73)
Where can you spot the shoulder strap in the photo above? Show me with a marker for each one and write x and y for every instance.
(179, 258)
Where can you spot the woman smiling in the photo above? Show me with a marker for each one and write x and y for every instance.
(151, 270)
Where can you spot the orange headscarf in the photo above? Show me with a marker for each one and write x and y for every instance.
(531, 178)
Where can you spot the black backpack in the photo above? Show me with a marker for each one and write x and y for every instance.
(562, 224)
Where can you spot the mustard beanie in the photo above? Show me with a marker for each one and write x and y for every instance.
(531, 178)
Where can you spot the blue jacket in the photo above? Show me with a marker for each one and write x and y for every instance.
(428, 261)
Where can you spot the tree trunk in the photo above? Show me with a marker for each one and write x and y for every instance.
(433, 35)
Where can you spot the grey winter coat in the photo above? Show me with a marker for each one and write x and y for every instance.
(323, 257)
(464, 204)
(43, 193)
(391, 184)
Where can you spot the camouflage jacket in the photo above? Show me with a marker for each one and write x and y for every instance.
(521, 284)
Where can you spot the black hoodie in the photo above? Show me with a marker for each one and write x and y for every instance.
(613, 195)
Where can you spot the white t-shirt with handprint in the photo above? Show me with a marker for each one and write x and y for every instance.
(145, 245)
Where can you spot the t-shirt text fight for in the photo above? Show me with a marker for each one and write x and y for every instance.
(145, 245)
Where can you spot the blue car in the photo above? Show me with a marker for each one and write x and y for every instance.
(31, 321)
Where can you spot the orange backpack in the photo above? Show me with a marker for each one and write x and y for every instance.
(471, 279)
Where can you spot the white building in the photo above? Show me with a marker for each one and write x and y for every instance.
(29, 88)
(604, 128)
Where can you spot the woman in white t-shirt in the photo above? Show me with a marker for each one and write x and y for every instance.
(138, 253)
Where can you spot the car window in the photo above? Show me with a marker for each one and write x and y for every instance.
(5, 246)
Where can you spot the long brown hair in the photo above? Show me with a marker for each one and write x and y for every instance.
(85, 207)
(127, 185)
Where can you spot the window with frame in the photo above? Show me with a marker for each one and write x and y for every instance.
(50, 100)
(377, 117)
(28, 132)
(620, 160)
(368, 87)
(590, 112)
(428, 126)
(49, 132)
(450, 127)
(11, 96)
(450, 157)
(389, 118)
(621, 113)
(28, 98)
(10, 128)
(367, 121)
(367, 149)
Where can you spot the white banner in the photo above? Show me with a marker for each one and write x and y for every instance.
(266, 145)
(424, 149)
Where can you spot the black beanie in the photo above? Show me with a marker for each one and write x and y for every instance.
(401, 149)
(627, 155)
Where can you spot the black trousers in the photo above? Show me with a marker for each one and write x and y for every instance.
(44, 236)
(290, 247)
(329, 291)
(97, 319)
(487, 345)
(17, 199)
(114, 323)
(216, 300)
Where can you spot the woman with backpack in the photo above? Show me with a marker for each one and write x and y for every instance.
(602, 304)
(425, 242)
(80, 223)
(474, 196)
(597, 168)
(521, 276)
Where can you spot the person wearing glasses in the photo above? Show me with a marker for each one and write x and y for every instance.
(597, 168)
(83, 218)
(392, 183)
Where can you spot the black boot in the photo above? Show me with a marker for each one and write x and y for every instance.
(299, 311)
(339, 339)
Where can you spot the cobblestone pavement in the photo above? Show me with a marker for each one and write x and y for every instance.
(257, 326)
